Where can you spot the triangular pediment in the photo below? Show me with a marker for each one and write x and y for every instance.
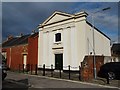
(56, 17)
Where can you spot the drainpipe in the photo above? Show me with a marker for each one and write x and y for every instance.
(10, 59)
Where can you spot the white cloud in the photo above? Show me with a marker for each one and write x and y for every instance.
(31, 14)
(107, 20)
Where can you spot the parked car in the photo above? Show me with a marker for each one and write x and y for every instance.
(110, 70)
(4, 71)
(3, 67)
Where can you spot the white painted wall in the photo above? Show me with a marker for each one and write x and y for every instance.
(80, 40)
(102, 43)
(77, 41)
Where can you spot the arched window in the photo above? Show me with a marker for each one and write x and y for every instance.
(57, 37)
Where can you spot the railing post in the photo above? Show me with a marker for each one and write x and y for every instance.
(23, 68)
(69, 71)
(79, 73)
(43, 69)
(108, 79)
(28, 68)
(35, 69)
(19, 68)
(60, 72)
(51, 70)
(31, 68)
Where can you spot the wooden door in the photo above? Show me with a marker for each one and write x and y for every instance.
(59, 61)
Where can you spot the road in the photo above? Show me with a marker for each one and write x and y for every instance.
(16, 80)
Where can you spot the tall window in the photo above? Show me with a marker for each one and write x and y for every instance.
(57, 37)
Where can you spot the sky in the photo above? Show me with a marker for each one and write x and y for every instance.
(60, 0)
(23, 17)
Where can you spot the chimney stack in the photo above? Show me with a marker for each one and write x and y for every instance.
(10, 37)
(33, 31)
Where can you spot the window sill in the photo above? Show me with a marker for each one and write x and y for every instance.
(58, 42)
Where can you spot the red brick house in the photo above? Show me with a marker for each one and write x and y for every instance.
(33, 49)
(16, 50)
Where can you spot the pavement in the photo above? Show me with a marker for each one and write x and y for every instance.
(26, 81)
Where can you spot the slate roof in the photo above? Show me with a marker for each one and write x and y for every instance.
(16, 41)
(34, 35)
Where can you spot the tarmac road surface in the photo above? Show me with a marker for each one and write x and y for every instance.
(19, 80)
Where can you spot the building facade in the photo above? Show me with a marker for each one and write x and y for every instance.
(65, 39)
(33, 49)
(19, 51)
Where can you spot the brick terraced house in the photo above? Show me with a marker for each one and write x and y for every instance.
(19, 50)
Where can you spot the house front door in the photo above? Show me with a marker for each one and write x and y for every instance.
(59, 61)
(24, 60)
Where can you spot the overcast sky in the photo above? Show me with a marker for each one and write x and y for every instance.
(23, 17)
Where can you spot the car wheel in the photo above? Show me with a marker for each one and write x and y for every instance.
(111, 75)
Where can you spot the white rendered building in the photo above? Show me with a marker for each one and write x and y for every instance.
(65, 39)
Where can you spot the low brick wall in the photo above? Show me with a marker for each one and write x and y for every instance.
(87, 67)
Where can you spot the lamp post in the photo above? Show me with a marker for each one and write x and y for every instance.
(94, 61)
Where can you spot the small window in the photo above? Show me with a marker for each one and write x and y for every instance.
(57, 37)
